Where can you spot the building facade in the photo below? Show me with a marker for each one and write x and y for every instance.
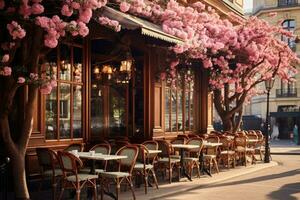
(284, 97)
(109, 87)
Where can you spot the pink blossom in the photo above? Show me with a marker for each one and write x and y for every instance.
(7, 71)
(85, 15)
(66, 11)
(33, 76)
(5, 58)
(75, 5)
(15, 30)
(50, 41)
(46, 89)
(25, 9)
(83, 29)
(124, 6)
(37, 8)
(21, 80)
(53, 83)
(163, 76)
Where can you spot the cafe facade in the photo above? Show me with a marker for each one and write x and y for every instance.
(109, 86)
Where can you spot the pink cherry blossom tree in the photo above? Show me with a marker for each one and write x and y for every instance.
(28, 30)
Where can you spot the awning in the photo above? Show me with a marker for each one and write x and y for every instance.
(285, 114)
(131, 22)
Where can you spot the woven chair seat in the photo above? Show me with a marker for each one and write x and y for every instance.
(175, 156)
(189, 159)
(114, 174)
(140, 166)
(227, 152)
(172, 160)
(57, 172)
(82, 177)
(209, 156)
(242, 149)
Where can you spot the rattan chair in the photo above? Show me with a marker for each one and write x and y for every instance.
(241, 149)
(124, 173)
(70, 165)
(143, 167)
(49, 167)
(227, 153)
(192, 160)
(166, 159)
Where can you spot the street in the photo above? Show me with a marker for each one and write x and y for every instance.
(281, 182)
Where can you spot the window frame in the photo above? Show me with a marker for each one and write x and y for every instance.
(72, 84)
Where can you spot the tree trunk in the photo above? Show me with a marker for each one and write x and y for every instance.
(19, 176)
(227, 124)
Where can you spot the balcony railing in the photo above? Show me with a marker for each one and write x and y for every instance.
(286, 92)
(282, 3)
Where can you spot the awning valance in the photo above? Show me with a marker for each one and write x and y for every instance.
(131, 22)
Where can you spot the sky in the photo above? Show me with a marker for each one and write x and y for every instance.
(248, 5)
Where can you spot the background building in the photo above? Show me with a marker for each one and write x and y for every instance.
(284, 97)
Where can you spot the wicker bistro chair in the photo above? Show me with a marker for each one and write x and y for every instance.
(125, 169)
(227, 153)
(143, 168)
(166, 159)
(70, 165)
(71, 147)
(192, 160)
(260, 148)
(49, 167)
(210, 157)
(151, 145)
(241, 149)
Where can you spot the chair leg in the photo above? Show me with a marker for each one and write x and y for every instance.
(154, 177)
(146, 181)
(95, 190)
(198, 169)
(216, 165)
(101, 188)
(77, 194)
(62, 190)
(170, 173)
(118, 186)
(129, 180)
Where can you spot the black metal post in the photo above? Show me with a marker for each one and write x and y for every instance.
(267, 146)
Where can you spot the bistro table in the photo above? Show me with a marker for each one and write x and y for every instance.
(206, 144)
(99, 156)
(182, 148)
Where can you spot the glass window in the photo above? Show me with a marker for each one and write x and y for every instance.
(180, 100)
(66, 99)
(289, 25)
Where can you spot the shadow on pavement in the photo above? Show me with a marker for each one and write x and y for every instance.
(286, 191)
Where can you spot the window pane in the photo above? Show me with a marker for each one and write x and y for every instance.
(180, 110)
(77, 111)
(64, 107)
(77, 66)
(65, 62)
(51, 115)
(167, 109)
(173, 110)
(96, 109)
(187, 111)
(191, 110)
(117, 110)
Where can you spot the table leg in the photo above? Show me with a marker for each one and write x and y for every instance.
(202, 165)
(182, 169)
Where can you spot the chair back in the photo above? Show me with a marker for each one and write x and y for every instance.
(196, 141)
(69, 163)
(192, 135)
(103, 148)
(240, 141)
(213, 139)
(227, 143)
(151, 145)
(142, 155)
(127, 164)
(165, 148)
(179, 141)
(47, 158)
(72, 147)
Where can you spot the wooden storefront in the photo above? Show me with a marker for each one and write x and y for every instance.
(96, 100)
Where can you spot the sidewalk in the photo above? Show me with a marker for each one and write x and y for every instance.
(185, 185)
(285, 147)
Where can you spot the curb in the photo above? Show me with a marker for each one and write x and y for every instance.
(249, 171)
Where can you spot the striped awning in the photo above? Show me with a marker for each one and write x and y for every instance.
(131, 22)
